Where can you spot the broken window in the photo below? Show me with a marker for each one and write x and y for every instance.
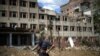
(3, 25)
(13, 14)
(23, 3)
(76, 10)
(33, 26)
(41, 26)
(84, 28)
(58, 18)
(50, 27)
(32, 4)
(32, 15)
(48, 17)
(13, 2)
(58, 28)
(64, 18)
(89, 19)
(23, 25)
(23, 15)
(90, 29)
(72, 28)
(3, 2)
(21, 39)
(3, 13)
(51, 17)
(65, 28)
(41, 16)
(78, 28)
(16, 40)
(25, 40)
(13, 25)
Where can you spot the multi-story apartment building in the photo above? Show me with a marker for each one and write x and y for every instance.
(22, 20)
(76, 6)
(80, 19)
(16, 18)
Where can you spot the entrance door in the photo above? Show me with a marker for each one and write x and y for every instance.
(3, 39)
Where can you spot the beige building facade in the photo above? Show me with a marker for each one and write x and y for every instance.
(80, 20)
(24, 18)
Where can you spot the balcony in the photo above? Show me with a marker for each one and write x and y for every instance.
(18, 29)
(3, 7)
(13, 8)
(24, 9)
(57, 22)
(41, 21)
(33, 10)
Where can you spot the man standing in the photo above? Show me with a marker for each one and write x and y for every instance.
(42, 47)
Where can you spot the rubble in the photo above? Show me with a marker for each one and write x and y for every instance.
(76, 51)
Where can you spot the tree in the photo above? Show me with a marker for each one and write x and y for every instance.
(96, 15)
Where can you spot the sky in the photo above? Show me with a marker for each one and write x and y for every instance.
(52, 4)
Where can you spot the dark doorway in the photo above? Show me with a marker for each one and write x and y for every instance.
(21, 39)
(3, 39)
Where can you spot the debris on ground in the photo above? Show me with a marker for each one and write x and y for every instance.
(12, 51)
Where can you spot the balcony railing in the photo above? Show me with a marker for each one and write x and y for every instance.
(18, 29)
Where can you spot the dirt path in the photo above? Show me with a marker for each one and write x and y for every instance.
(5, 51)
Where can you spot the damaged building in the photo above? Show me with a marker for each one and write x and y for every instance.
(18, 22)
(21, 22)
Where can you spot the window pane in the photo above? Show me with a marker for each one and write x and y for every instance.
(23, 3)
(2, 25)
(71, 28)
(23, 14)
(41, 16)
(13, 14)
(58, 18)
(2, 13)
(90, 29)
(32, 4)
(23, 25)
(41, 26)
(84, 28)
(58, 28)
(33, 26)
(65, 28)
(64, 18)
(13, 2)
(32, 15)
(78, 28)
(3, 2)
(50, 27)
(13, 25)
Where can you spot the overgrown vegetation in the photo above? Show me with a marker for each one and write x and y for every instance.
(96, 15)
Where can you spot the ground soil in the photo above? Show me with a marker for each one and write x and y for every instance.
(7, 51)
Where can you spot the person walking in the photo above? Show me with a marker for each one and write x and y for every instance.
(43, 46)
